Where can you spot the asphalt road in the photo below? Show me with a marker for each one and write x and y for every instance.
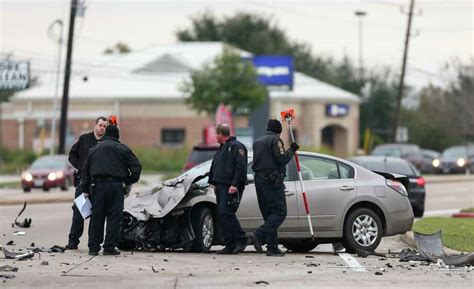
(320, 268)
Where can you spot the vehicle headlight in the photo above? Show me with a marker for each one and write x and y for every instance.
(27, 176)
(461, 162)
(59, 174)
(52, 176)
(435, 163)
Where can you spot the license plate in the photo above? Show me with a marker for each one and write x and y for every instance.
(38, 183)
(445, 170)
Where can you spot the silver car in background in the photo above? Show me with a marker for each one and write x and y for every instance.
(348, 203)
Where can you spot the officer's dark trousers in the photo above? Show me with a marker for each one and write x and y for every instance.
(77, 226)
(272, 204)
(230, 225)
(107, 204)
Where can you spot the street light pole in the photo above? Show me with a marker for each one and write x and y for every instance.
(60, 41)
(360, 14)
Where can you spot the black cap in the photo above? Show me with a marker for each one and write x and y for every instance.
(112, 131)
(274, 125)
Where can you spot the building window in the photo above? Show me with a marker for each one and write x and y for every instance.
(172, 136)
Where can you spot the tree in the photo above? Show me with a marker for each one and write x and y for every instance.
(227, 80)
(119, 48)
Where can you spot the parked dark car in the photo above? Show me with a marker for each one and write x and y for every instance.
(428, 157)
(393, 165)
(456, 159)
(200, 154)
(410, 152)
(48, 172)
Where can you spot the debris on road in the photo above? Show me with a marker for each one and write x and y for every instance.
(26, 223)
(19, 233)
(378, 273)
(262, 282)
(11, 242)
(7, 276)
(44, 263)
(18, 256)
(8, 268)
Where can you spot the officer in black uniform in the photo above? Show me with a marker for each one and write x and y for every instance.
(110, 166)
(269, 165)
(229, 174)
(77, 157)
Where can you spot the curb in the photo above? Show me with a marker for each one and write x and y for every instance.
(409, 239)
(463, 215)
(11, 202)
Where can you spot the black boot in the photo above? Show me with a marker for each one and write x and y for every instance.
(275, 252)
(257, 243)
(228, 250)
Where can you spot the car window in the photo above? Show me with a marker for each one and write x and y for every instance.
(49, 163)
(387, 151)
(315, 168)
(346, 171)
(200, 156)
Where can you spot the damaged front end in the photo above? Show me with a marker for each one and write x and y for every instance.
(159, 218)
(157, 234)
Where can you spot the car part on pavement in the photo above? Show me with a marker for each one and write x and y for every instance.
(431, 247)
(26, 223)
(18, 256)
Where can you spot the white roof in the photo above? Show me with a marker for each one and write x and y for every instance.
(157, 72)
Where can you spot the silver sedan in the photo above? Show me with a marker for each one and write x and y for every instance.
(348, 203)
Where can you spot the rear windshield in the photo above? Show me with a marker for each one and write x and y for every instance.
(200, 156)
(396, 167)
(390, 151)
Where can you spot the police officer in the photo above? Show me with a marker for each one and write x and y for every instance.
(109, 167)
(269, 165)
(77, 157)
(229, 174)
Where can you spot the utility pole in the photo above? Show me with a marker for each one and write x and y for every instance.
(67, 76)
(360, 14)
(396, 121)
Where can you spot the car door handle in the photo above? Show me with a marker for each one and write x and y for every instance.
(288, 193)
(346, 188)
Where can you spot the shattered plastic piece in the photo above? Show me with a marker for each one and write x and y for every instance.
(413, 263)
(8, 268)
(389, 265)
(26, 223)
(378, 273)
(262, 282)
(11, 242)
(7, 276)
(154, 270)
(309, 256)
(411, 255)
(431, 247)
(56, 249)
(44, 263)
(17, 256)
(19, 233)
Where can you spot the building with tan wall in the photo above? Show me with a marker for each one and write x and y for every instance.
(142, 88)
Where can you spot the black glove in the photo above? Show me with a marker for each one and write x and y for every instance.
(294, 146)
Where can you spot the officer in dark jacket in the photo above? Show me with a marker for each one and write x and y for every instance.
(77, 157)
(229, 174)
(269, 165)
(109, 168)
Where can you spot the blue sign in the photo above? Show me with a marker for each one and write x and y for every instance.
(274, 70)
(337, 110)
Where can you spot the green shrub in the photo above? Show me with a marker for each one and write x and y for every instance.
(162, 159)
(14, 161)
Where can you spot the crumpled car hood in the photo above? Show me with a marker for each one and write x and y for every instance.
(159, 200)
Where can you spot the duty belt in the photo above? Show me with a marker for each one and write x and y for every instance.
(99, 179)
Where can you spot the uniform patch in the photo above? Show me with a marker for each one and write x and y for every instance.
(241, 152)
(280, 146)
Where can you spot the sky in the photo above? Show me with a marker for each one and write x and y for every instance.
(441, 30)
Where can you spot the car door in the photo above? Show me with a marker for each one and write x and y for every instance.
(330, 187)
(249, 213)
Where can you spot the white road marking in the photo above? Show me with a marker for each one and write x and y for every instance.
(352, 263)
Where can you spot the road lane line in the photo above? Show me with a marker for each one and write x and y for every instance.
(352, 263)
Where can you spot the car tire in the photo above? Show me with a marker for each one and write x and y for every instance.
(203, 222)
(300, 246)
(368, 237)
(66, 185)
(45, 189)
(418, 212)
(26, 190)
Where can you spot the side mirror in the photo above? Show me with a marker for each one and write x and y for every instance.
(250, 179)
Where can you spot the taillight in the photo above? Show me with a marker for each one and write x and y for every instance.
(189, 165)
(420, 182)
(397, 186)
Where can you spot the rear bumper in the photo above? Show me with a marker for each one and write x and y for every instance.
(417, 198)
(45, 184)
(399, 222)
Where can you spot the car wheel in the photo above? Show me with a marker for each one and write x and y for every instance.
(203, 223)
(300, 246)
(45, 189)
(26, 190)
(362, 230)
(66, 185)
(418, 212)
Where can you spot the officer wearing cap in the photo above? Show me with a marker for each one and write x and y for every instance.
(77, 157)
(229, 174)
(269, 165)
(110, 166)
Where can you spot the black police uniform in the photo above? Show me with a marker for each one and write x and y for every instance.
(109, 166)
(77, 157)
(229, 168)
(269, 165)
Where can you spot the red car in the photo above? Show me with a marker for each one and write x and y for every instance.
(200, 154)
(48, 172)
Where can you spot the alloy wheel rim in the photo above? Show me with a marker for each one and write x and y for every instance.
(365, 230)
(207, 231)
